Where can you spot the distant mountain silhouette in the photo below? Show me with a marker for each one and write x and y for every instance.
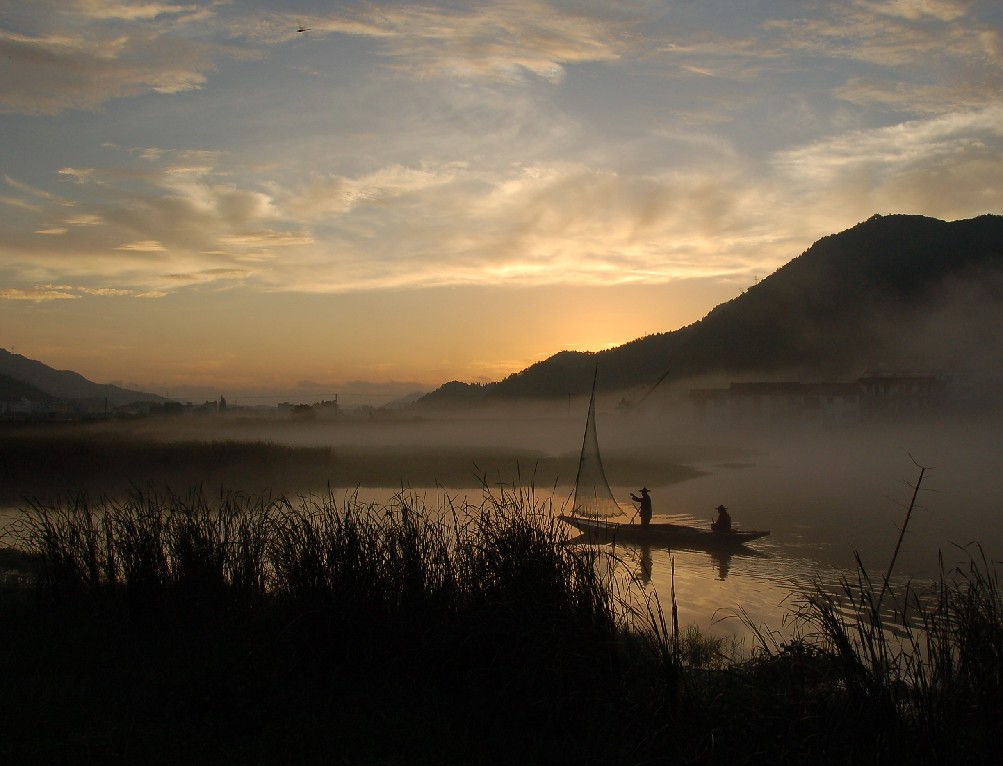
(404, 401)
(901, 291)
(61, 384)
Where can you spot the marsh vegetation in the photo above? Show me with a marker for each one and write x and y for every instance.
(233, 628)
(61, 459)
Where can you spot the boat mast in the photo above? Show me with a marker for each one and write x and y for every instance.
(589, 420)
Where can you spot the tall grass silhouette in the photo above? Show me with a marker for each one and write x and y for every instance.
(477, 615)
(272, 629)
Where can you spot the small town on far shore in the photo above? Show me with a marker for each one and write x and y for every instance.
(873, 396)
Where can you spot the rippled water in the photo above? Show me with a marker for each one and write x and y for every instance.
(733, 594)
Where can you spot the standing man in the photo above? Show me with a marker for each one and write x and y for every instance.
(645, 501)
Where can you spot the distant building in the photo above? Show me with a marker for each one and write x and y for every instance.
(27, 409)
(327, 409)
(896, 394)
(873, 396)
(303, 412)
(208, 407)
(22, 409)
(768, 403)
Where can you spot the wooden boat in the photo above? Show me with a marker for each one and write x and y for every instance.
(665, 535)
(594, 506)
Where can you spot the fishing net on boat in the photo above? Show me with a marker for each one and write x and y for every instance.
(593, 497)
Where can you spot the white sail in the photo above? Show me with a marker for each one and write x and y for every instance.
(593, 497)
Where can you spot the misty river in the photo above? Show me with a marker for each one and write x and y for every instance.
(826, 495)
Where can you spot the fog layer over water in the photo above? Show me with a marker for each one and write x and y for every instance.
(824, 492)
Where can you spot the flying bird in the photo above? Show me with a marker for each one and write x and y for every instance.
(302, 29)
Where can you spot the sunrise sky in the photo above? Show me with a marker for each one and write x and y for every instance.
(198, 199)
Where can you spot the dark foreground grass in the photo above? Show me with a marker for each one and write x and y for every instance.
(170, 627)
(178, 628)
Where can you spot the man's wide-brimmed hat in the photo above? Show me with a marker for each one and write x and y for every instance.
(643, 489)
(721, 508)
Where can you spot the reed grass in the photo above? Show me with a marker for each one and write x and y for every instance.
(318, 629)
(472, 620)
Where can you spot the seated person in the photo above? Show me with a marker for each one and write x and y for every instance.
(723, 523)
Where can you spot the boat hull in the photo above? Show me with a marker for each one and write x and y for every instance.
(679, 535)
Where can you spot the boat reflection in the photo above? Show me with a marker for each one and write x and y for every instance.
(720, 557)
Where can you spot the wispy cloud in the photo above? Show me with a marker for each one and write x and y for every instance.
(143, 246)
(43, 293)
(895, 147)
(36, 295)
(209, 275)
(917, 98)
(924, 34)
(503, 42)
(126, 10)
(902, 168)
(88, 52)
(915, 10)
(397, 227)
(83, 219)
(21, 203)
(28, 189)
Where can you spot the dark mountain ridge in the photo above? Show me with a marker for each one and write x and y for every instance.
(64, 384)
(899, 291)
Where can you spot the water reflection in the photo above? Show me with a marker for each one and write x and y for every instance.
(741, 593)
(644, 571)
(721, 557)
(721, 592)
(721, 560)
(718, 591)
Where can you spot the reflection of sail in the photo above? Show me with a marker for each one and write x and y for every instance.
(593, 497)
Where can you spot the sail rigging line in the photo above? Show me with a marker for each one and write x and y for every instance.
(652, 389)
